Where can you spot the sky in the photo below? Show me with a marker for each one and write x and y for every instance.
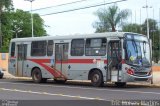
(81, 21)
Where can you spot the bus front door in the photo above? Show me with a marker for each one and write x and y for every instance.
(61, 58)
(21, 58)
(114, 61)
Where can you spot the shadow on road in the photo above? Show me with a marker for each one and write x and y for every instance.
(73, 83)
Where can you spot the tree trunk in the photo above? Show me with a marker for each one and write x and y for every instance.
(113, 29)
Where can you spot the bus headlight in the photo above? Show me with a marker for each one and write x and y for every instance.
(130, 71)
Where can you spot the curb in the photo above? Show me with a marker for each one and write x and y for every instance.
(18, 78)
(145, 85)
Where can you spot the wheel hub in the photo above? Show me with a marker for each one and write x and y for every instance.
(36, 76)
(95, 78)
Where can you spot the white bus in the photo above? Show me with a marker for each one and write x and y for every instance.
(118, 57)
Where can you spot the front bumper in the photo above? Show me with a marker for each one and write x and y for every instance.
(132, 78)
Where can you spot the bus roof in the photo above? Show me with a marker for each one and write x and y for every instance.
(77, 36)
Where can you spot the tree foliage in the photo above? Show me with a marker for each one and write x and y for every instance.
(19, 20)
(22, 20)
(154, 35)
(132, 28)
(152, 26)
(109, 18)
(5, 6)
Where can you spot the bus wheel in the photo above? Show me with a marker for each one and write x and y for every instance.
(97, 78)
(37, 75)
(120, 84)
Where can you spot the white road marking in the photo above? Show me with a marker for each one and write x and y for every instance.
(95, 89)
(51, 94)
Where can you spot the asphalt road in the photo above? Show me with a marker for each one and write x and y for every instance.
(27, 90)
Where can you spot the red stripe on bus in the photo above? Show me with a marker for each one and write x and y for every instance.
(13, 57)
(53, 71)
(81, 61)
(123, 61)
(105, 61)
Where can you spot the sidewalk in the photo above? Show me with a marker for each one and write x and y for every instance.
(9, 76)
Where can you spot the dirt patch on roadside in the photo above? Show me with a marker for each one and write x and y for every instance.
(156, 68)
(156, 74)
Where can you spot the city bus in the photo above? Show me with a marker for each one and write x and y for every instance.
(117, 57)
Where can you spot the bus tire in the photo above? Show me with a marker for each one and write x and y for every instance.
(37, 75)
(97, 78)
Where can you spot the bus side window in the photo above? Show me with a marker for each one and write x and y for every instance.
(77, 47)
(12, 49)
(38, 48)
(50, 48)
(95, 47)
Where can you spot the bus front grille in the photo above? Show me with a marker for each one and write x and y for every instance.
(141, 79)
(141, 73)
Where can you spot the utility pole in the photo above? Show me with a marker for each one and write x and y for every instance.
(31, 17)
(147, 17)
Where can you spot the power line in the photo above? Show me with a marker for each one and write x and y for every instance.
(83, 8)
(60, 5)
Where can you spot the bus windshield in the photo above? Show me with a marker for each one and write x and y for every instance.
(137, 50)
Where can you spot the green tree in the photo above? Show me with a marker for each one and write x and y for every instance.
(13, 21)
(152, 27)
(5, 5)
(21, 20)
(154, 36)
(6, 27)
(109, 18)
(132, 28)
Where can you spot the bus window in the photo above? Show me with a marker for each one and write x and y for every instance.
(77, 47)
(12, 49)
(50, 48)
(95, 47)
(38, 48)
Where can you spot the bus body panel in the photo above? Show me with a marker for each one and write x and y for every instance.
(80, 71)
(12, 66)
(31, 65)
(61, 64)
(12, 60)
